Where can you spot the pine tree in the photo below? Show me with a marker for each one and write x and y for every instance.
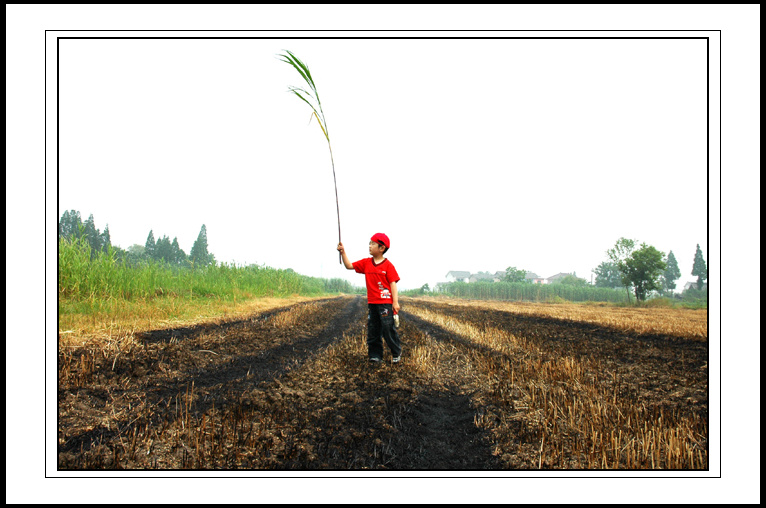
(93, 235)
(700, 268)
(63, 223)
(106, 239)
(199, 254)
(162, 250)
(179, 256)
(671, 274)
(150, 245)
(69, 225)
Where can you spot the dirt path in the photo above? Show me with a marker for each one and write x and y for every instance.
(292, 389)
(439, 433)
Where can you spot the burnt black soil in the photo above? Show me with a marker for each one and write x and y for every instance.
(258, 394)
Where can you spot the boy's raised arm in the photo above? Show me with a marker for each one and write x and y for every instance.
(346, 262)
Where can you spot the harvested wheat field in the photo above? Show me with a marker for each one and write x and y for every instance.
(481, 386)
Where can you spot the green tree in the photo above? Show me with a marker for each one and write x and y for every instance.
(93, 235)
(700, 268)
(163, 250)
(671, 273)
(136, 253)
(608, 275)
(513, 274)
(621, 251)
(643, 268)
(70, 224)
(199, 255)
(179, 256)
(106, 239)
(150, 245)
(573, 280)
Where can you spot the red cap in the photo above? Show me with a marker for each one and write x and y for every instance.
(381, 238)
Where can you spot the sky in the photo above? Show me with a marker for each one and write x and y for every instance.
(470, 154)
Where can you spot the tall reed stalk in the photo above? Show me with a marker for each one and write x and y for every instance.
(309, 98)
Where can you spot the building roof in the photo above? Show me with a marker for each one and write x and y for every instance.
(458, 275)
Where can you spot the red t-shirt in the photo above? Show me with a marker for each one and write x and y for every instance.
(378, 278)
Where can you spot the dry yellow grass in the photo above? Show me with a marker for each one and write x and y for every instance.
(688, 323)
(119, 323)
(577, 405)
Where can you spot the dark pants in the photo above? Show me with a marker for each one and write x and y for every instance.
(380, 325)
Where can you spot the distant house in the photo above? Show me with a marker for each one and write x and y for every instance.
(693, 285)
(477, 277)
(556, 278)
(458, 276)
(532, 277)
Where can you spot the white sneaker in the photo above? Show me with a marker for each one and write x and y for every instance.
(396, 359)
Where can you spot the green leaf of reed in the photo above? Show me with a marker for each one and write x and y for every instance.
(303, 70)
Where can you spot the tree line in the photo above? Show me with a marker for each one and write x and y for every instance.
(638, 268)
(644, 269)
(164, 250)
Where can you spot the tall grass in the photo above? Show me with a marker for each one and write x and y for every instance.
(82, 279)
(532, 292)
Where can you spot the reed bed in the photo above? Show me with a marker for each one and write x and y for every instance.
(101, 298)
(523, 291)
(88, 279)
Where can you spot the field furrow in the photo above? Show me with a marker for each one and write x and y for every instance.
(585, 397)
(169, 377)
(478, 388)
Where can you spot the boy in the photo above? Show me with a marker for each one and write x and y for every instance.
(382, 297)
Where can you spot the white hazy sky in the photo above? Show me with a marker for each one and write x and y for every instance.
(470, 154)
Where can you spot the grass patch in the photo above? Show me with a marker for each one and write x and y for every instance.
(101, 297)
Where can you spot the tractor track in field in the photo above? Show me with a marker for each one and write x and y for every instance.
(291, 389)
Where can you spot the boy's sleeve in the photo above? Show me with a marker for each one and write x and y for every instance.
(359, 265)
(393, 275)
